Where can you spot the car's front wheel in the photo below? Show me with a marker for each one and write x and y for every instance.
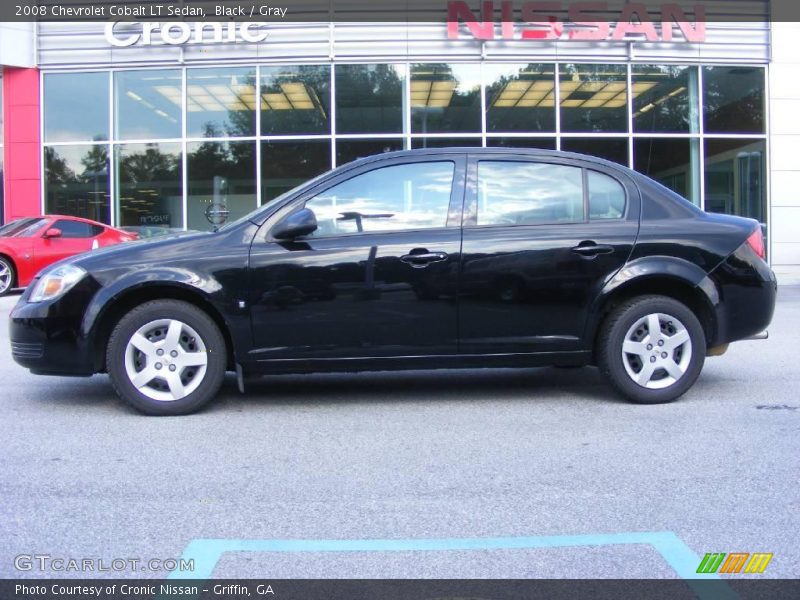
(7, 275)
(652, 349)
(166, 357)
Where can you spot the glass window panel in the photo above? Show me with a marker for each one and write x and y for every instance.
(350, 150)
(287, 164)
(369, 98)
(606, 196)
(148, 104)
(295, 99)
(528, 193)
(733, 99)
(613, 149)
(19, 225)
(664, 99)
(149, 185)
(220, 102)
(445, 98)
(77, 229)
(75, 107)
(675, 163)
(399, 197)
(433, 142)
(734, 177)
(76, 182)
(519, 142)
(520, 97)
(593, 98)
(220, 174)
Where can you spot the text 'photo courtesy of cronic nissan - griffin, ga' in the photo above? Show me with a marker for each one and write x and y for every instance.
(426, 259)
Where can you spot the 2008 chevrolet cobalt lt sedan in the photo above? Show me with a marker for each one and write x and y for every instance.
(414, 260)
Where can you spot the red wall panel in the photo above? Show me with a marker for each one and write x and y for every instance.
(22, 177)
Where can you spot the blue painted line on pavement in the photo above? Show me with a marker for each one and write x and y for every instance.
(206, 553)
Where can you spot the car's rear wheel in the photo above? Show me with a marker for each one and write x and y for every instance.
(166, 357)
(7, 275)
(652, 349)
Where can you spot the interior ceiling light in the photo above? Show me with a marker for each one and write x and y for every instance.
(432, 87)
(212, 97)
(661, 100)
(293, 95)
(573, 93)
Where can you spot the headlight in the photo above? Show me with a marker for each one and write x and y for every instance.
(56, 282)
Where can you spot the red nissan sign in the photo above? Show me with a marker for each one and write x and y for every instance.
(540, 21)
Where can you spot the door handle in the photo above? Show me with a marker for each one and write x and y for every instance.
(420, 258)
(590, 249)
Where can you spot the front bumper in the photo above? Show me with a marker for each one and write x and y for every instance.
(47, 338)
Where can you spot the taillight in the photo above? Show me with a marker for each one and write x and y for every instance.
(756, 242)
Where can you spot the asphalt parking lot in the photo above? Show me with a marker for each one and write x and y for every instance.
(535, 454)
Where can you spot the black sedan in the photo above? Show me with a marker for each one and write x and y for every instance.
(414, 260)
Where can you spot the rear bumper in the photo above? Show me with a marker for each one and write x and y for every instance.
(747, 293)
(46, 337)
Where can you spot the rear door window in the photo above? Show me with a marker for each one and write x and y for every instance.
(528, 193)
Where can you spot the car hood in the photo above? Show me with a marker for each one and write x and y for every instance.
(134, 252)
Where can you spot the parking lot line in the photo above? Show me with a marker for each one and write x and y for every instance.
(206, 552)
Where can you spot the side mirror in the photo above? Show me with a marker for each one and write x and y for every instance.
(53, 232)
(296, 225)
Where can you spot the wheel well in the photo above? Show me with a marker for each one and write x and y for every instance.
(129, 300)
(677, 289)
(13, 267)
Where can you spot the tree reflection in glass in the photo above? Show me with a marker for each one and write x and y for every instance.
(369, 98)
(665, 99)
(149, 185)
(76, 181)
(445, 98)
(295, 100)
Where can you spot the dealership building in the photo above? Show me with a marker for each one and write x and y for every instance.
(148, 124)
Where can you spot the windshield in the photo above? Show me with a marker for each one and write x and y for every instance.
(253, 215)
(13, 228)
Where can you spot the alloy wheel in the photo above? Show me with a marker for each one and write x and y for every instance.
(5, 277)
(166, 360)
(657, 351)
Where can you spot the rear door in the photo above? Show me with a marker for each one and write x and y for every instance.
(379, 276)
(540, 239)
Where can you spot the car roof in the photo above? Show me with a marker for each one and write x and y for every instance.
(74, 218)
(531, 152)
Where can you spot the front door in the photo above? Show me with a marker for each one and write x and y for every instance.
(540, 241)
(379, 276)
(76, 237)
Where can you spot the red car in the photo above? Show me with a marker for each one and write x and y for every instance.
(29, 245)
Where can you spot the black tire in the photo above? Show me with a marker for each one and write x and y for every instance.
(612, 336)
(188, 314)
(7, 283)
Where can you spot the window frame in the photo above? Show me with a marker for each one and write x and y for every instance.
(90, 226)
(470, 214)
